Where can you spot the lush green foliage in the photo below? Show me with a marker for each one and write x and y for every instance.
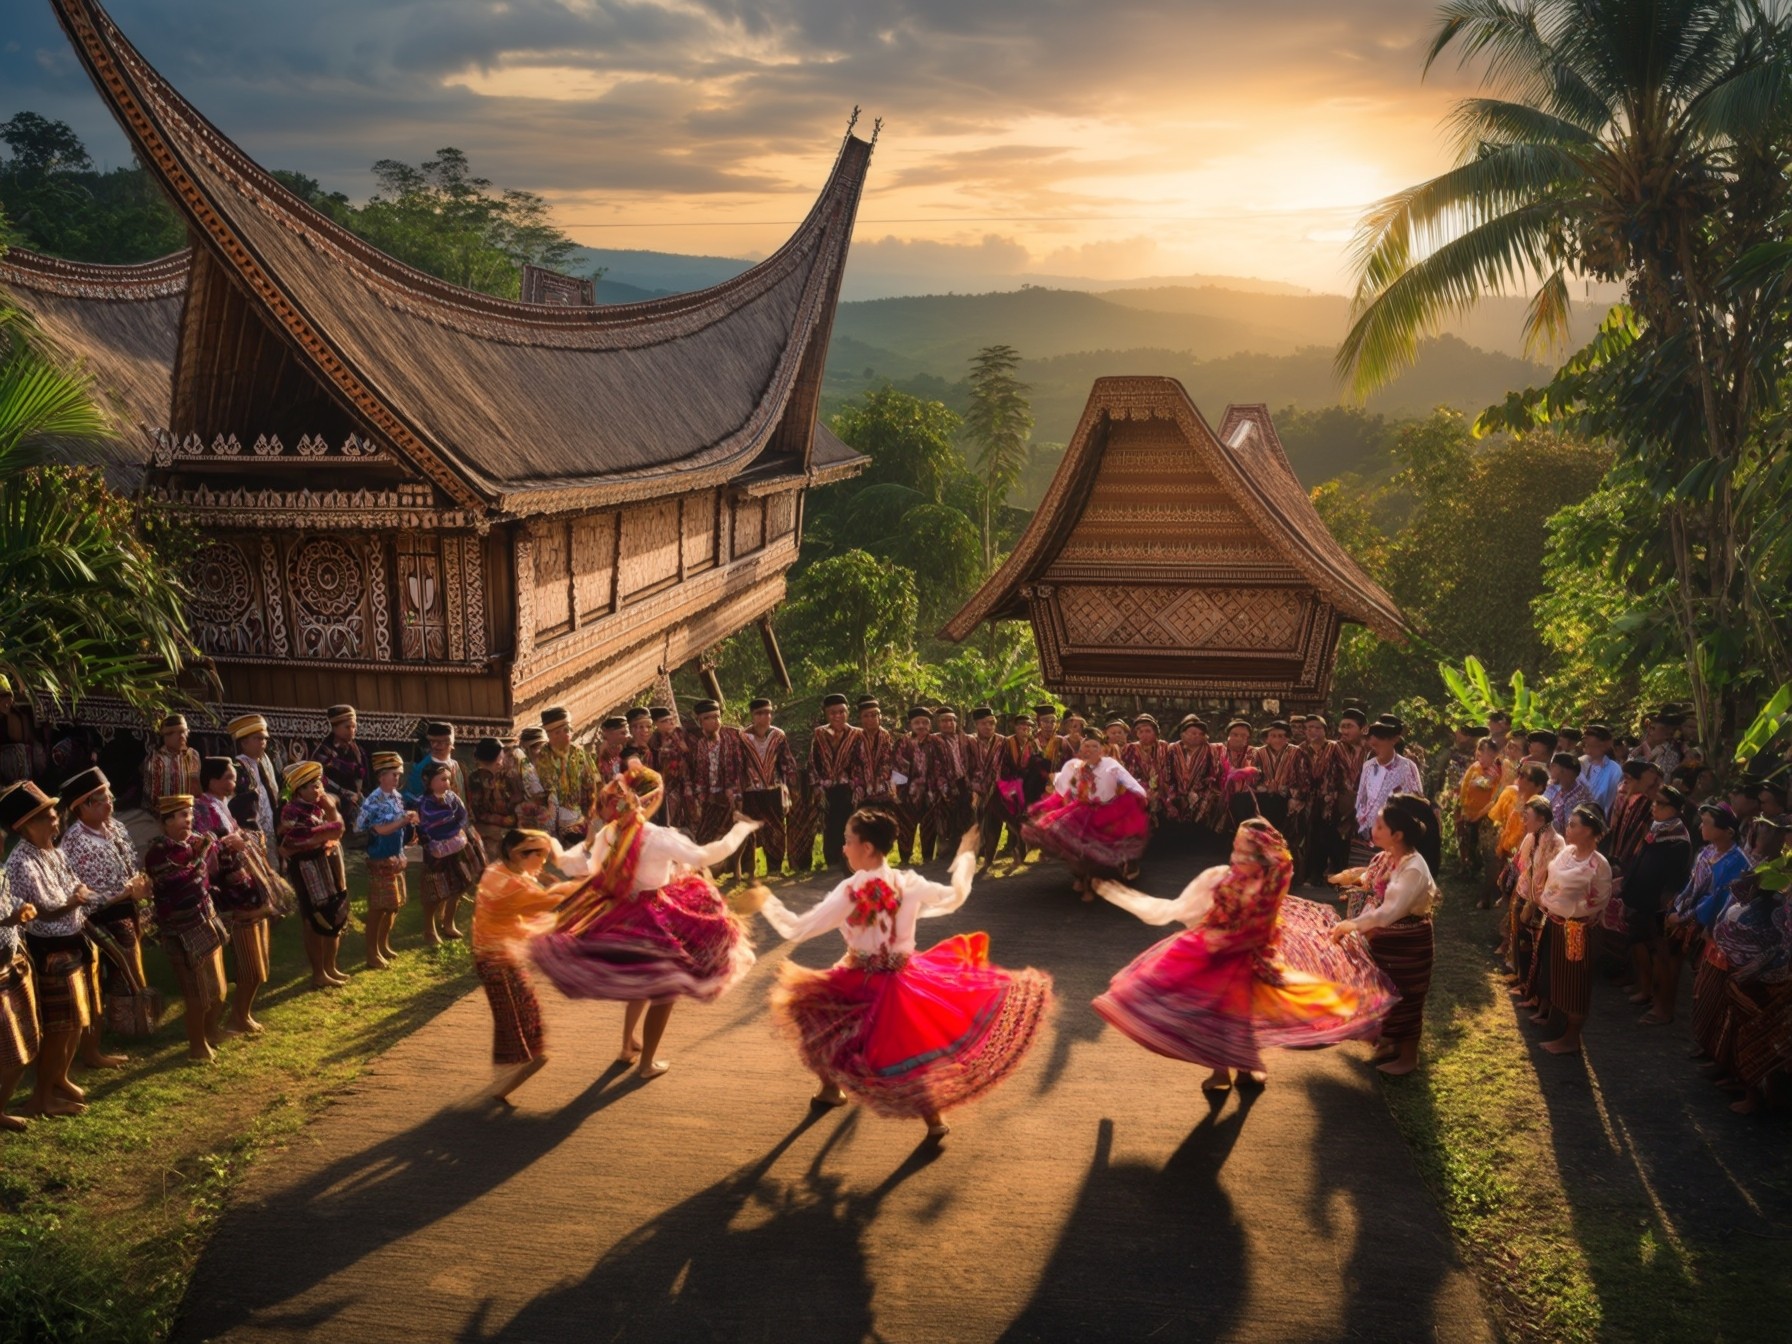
(1645, 143)
(60, 204)
(87, 604)
(997, 426)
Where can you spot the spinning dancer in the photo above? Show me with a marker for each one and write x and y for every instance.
(906, 1034)
(1094, 818)
(639, 930)
(1254, 968)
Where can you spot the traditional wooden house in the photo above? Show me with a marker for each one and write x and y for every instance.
(428, 501)
(1179, 564)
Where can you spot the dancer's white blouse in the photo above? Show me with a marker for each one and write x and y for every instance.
(1190, 908)
(1110, 778)
(1411, 890)
(1577, 888)
(921, 899)
(665, 854)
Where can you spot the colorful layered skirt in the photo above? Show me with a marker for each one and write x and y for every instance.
(1092, 835)
(910, 1037)
(680, 941)
(1201, 998)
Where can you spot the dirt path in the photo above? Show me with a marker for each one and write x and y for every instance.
(1094, 1197)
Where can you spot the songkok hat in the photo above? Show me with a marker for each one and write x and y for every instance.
(1190, 721)
(1145, 718)
(613, 723)
(918, 713)
(301, 773)
(1295, 720)
(170, 803)
(1599, 730)
(391, 760)
(829, 701)
(1393, 721)
(1239, 723)
(1020, 718)
(1277, 725)
(703, 707)
(1118, 723)
(171, 722)
(247, 725)
(337, 713)
(1353, 715)
(1470, 729)
(529, 737)
(1636, 768)
(487, 750)
(1384, 730)
(659, 714)
(77, 788)
(1540, 737)
(638, 713)
(22, 802)
(944, 712)
(1568, 733)
(1046, 708)
(436, 728)
(868, 702)
(1672, 796)
(556, 715)
(981, 713)
(754, 706)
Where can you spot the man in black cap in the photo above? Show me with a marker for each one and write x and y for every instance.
(831, 776)
(713, 776)
(983, 756)
(640, 730)
(874, 757)
(344, 761)
(613, 737)
(1343, 778)
(439, 734)
(1046, 738)
(951, 782)
(494, 792)
(912, 774)
(665, 754)
(567, 770)
(769, 768)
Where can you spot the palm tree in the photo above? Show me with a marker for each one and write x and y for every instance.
(86, 605)
(998, 424)
(1641, 142)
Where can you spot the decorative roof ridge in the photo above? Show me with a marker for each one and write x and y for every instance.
(409, 289)
(1139, 397)
(162, 278)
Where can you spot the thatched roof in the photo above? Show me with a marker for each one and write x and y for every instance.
(120, 325)
(517, 407)
(1247, 460)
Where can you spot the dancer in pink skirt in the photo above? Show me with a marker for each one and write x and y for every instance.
(1254, 968)
(1094, 818)
(648, 927)
(906, 1034)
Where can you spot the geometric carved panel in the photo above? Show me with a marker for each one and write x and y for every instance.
(1207, 619)
(780, 515)
(650, 545)
(593, 565)
(553, 578)
(700, 532)
(422, 625)
(330, 583)
(749, 525)
(226, 603)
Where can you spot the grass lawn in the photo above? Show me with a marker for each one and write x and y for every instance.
(1564, 1198)
(102, 1216)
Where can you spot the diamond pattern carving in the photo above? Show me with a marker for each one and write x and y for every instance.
(1180, 618)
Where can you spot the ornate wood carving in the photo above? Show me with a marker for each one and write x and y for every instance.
(1198, 621)
(227, 608)
(404, 507)
(328, 577)
(523, 571)
(650, 546)
(473, 567)
(423, 633)
(454, 569)
(540, 285)
(699, 531)
(594, 566)
(310, 450)
(377, 601)
(553, 578)
(749, 525)
(780, 515)
(273, 599)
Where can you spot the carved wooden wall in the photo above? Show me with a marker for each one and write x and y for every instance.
(749, 525)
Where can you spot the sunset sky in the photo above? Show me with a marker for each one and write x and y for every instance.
(1114, 139)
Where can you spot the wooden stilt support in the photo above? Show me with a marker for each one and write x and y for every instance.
(712, 684)
(773, 654)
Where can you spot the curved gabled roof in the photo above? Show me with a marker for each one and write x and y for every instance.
(1245, 456)
(520, 407)
(121, 324)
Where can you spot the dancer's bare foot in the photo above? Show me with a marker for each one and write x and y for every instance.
(1220, 1080)
(203, 1055)
(430, 937)
(336, 977)
(451, 933)
(1562, 1046)
(651, 1068)
(631, 1051)
(99, 1060)
(70, 1091)
(1540, 1018)
(13, 1124)
(246, 1026)
(1255, 1078)
(829, 1095)
(1640, 999)
(516, 1077)
(1654, 1018)
(61, 1108)
(1397, 1067)
(1747, 1105)
(1382, 1053)
(938, 1130)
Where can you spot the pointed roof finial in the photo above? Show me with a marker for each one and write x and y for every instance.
(877, 129)
(853, 120)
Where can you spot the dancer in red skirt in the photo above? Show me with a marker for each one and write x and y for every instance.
(906, 1034)
(648, 927)
(1094, 818)
(1254, 968)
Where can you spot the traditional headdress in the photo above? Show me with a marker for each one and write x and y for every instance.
(171, 723)
(77, 789)
(556, 715)
(487, 749)
(754, 706)
(338, 713)
(387, 760)
(638, 713)
(703, 707)
(22, 802)
(170, 803)
(301, 773)
(247, 725)
(613, 723)
(437, 728)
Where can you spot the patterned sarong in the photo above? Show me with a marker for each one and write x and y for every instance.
(1404, 950)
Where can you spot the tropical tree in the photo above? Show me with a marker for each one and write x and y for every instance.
(87, 606)
(1643, 143)
(909, 440)
(853, 608)
(997, 425)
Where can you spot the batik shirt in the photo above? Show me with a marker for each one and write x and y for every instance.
(1150, 765)
(767, 762)
(105, 861)
(1563, 802)
(665, 753)
(382, 807)
(572, 780)
(346, 767)
(873, 758)
(1378, 784)
(950, 765)
(914, 764)
(983, 761)
(831, 755)
(1281, 772)
(177, 872)
(211, 816)
(493, 797)
(1343, 777)
(257, 792)
(43, 878)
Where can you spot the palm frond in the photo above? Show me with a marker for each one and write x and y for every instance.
(1546, 317)
(1474, 122)
(41, 402)
(1744, 105)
